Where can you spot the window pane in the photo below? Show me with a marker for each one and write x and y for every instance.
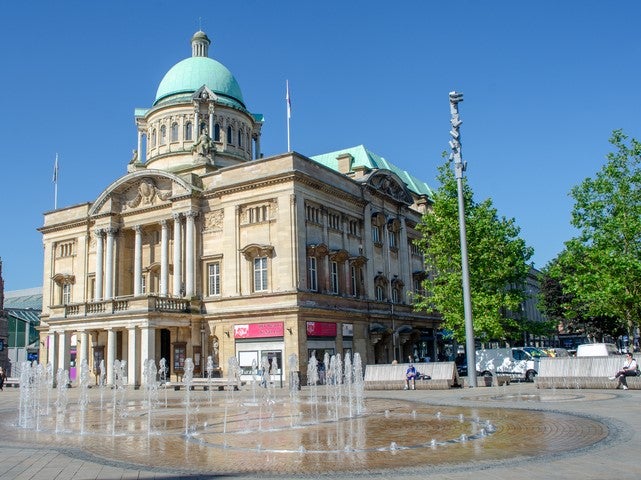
(214, 279)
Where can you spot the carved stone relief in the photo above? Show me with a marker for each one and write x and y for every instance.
(144, 194)
(213, 221)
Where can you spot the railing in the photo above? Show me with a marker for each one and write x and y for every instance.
(150, 303)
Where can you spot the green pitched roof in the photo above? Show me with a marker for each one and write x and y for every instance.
(366, 158)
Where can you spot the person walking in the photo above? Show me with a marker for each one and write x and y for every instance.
(629, 369)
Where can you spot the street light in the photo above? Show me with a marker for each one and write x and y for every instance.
(459, 167)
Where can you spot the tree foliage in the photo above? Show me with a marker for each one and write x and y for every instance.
(601, 267)
(497, 263)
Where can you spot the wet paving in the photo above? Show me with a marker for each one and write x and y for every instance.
(239, 433)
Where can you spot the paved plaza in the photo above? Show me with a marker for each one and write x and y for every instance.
(586, 434)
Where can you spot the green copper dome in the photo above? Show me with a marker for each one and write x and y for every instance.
(190, 74)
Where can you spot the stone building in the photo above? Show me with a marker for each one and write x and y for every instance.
(206, 249)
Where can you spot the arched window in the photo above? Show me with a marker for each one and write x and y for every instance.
(216, 133)
(163, 135)
(230, 139)
(240, 138)
(174, 132)
(153, 137)
(188, 131)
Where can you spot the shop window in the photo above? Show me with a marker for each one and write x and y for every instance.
(180, 354)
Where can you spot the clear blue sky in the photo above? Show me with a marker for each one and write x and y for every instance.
(545, 83)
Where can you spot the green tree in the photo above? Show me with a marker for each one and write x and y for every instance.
(602, 264)
(497, 263)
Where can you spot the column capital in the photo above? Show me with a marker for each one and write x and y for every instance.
(99, 232)
(191, 214)
(137, 228)
(111, 231)
(163, 223)
(176, 216)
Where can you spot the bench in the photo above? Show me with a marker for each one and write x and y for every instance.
(442, 375)
(12, 382)
(582, 372)
(219, 384)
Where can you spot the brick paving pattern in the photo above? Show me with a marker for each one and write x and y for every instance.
(588, 434)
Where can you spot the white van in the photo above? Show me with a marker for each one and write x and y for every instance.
(596, 350)
(515, 362)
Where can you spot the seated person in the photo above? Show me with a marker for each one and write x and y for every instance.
(629, 369)
(410, 377)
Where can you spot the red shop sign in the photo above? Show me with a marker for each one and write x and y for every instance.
(321, 329)
(259, 330)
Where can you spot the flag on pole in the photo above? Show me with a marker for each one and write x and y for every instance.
(288, 99)
(55, 170)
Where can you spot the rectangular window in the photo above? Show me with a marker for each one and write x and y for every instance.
(260, 274)
(393, 240)
(213, 276)
(334, 277)
(143, 284)
(313, 274)
(376, 238)
(66, 294)
(353, 278)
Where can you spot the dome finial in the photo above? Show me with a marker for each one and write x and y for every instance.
(200, 44)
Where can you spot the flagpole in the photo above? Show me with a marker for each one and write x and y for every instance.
(55, 184)
(289, 114)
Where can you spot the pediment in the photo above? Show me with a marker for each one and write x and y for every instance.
(204, 94)
(140, 190)
(389, 184)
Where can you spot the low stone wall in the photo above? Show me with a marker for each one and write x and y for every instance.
(582, 372)
(443, 375)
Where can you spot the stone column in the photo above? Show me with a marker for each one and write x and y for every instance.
(133, 362)
(109, 264)
(82, 345)
(138, 261)
(147, 347)
(63, 352)
(51, 351)
(164, 257)
(177, 256)
(190, 254)
(139, 145)
(196, 130)
(111, 356)
(211, 120)
(99, 264)
(369, 252)
(405, 261)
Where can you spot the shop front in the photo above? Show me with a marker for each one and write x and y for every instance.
(259, 344)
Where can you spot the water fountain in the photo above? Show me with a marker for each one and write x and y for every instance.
(319, 428)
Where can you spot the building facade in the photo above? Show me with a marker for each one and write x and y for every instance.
(205, 249)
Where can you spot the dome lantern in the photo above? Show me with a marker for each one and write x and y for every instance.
(200, 44)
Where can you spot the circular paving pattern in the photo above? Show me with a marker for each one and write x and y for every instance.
(294, 438)
(544, 396)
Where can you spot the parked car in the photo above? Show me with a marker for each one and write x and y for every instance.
(557, 352)
(514, 362)
(596, 350)
(536, 352)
